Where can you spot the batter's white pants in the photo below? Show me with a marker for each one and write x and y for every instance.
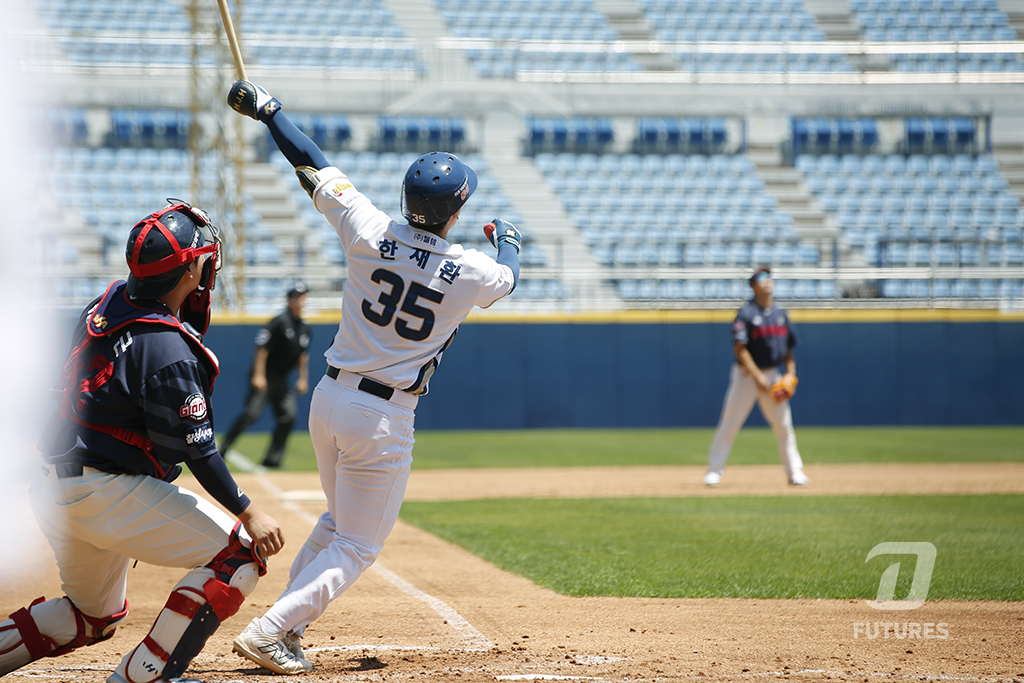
(98, 523)
(739, 401)
(363, 448)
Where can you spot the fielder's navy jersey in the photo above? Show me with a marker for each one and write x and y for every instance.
(767, 333)
(151, 380)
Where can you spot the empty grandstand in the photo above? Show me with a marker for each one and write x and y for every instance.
(652, 151)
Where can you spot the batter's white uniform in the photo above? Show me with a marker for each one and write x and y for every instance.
(407, 292)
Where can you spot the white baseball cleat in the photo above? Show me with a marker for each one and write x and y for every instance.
(712, 478)
(799, 479)
(269, 652)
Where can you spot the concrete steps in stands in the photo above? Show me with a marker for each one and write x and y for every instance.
(1011, 165)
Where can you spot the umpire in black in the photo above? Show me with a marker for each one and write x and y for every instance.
(282, 345)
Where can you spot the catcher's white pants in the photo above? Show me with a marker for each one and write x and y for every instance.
(739, 401)
(363, 448)
(97, 523)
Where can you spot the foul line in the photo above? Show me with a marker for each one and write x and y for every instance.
(474, 640)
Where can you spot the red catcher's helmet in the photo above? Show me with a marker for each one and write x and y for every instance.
(161, 247)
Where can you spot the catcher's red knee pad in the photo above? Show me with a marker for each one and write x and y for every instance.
(235, 556)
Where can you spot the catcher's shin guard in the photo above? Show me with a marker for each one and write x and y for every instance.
(49, 629)
(197, 606)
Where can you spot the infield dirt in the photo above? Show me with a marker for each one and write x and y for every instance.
(431, 612)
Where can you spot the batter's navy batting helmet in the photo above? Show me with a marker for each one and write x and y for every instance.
(161, 246)
(435, 187)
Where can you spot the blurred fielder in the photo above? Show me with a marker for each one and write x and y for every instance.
(763, 340)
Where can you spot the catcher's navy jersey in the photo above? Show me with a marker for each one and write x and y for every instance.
(767, 333)
(151, 380)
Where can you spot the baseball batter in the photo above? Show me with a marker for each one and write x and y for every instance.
(135, 404)
(407, 291)
(763, 340)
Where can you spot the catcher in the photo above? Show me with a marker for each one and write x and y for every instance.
(133, 409)
(763, 340)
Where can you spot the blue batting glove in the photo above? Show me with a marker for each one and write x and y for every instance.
(499, 231)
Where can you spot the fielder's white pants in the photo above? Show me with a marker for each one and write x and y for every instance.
(739, 401)
(99, 522)
(363, 448)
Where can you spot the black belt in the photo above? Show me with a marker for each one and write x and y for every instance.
(67, 470)
(366, 384)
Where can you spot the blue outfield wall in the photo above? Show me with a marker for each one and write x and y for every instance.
(511, 375)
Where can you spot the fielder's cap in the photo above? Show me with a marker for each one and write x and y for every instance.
(763, 272)
(298, 289)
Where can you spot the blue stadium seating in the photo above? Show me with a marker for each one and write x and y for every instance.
(526, 20)
(723, 218)
(685, 135)
(749, 21)
(971, 222)
(577, 134)
(939, 21)
(300, 34)
(407, 133)
(149, 128)
(834, 136)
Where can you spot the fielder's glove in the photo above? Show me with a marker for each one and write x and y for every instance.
(253, 101)
(784, 389)
(499, 231)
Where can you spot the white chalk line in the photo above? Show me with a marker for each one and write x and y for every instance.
(473, 639)
(764, 674)
(62, 672)
(546, 677)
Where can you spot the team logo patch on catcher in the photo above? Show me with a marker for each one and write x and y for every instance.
(194, 408)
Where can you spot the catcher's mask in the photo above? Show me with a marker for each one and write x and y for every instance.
(161, 247)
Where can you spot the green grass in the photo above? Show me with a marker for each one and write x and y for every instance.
(596, 447)
(811, 547)
(723, 547)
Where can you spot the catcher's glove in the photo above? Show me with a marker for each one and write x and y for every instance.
(785, 388)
